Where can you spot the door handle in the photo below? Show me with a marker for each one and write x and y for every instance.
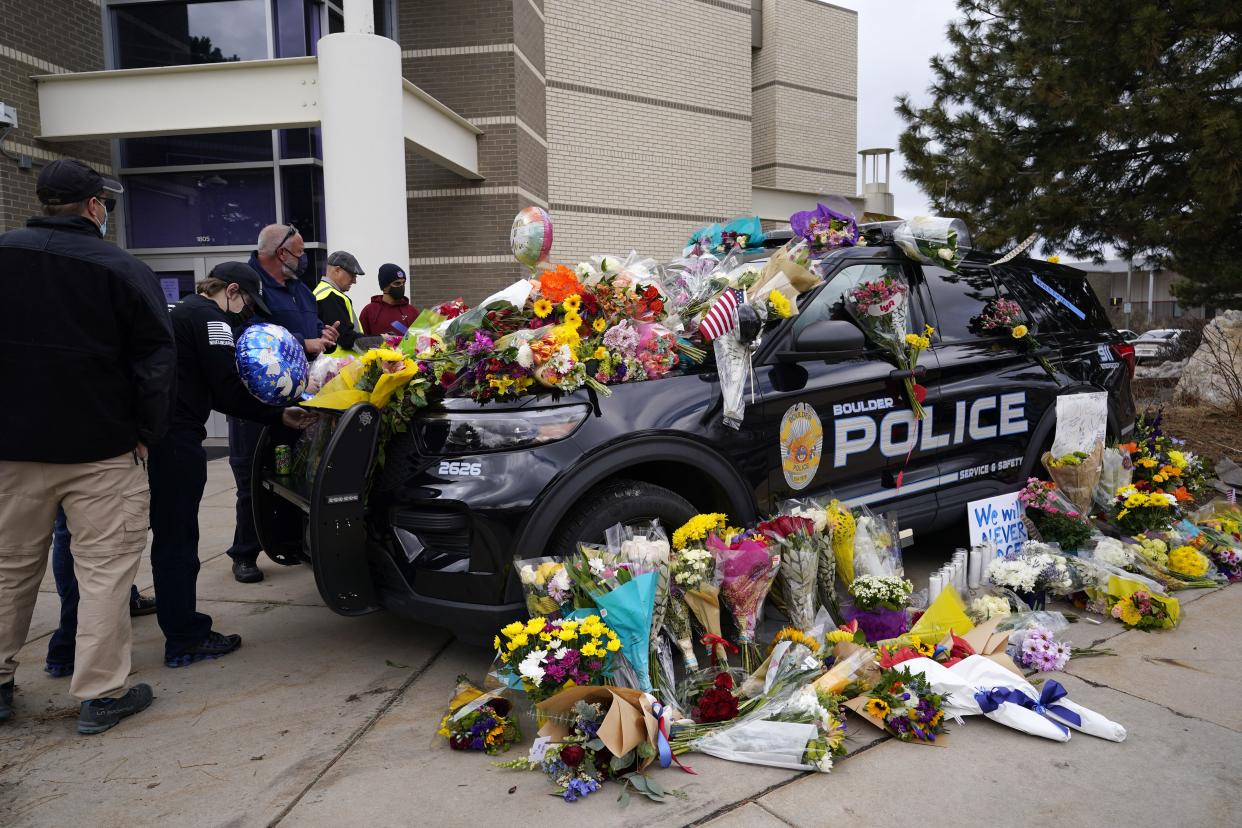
(918, 372)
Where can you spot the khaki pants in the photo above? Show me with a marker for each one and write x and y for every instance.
(107, 506)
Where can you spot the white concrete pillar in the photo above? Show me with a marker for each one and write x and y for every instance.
(364, 152)
(359, 17)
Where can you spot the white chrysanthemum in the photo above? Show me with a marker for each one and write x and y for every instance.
(525, 357)
(532, 667)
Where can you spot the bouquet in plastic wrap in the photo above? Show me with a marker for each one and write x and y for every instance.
(1140, 604)
(1031, 572)
(797, 727)
(545, 584)
(1136, 511)
(1077, 456)
(799, 563)
(881, 309)
(746, 565)
(627, 600)
(478, 720)
(826, 229)
(1117, 470)
(934, 240)
(1006, 315)
(647, 550)
(844, 528)
(375, 377)
(575, 652)
(792, 651)
(695, 575)
(903, 703)
(1057, 519)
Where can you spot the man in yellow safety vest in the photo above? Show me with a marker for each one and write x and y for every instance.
(334, 306)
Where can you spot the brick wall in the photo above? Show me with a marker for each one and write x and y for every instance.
(485, 60)
(805, 87)
(648, 122)
(30, 45)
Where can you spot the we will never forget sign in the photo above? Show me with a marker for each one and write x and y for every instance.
(999, 520)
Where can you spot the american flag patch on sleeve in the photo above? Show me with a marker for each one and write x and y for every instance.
(219, 333)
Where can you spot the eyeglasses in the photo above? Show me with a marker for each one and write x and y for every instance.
(293, 231)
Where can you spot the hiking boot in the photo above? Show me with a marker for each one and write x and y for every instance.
(142, 605)
(6, 701)
(214, 646)
(58, 670)
(98, 715)
(247, 572)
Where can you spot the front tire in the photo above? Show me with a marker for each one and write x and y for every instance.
(621, 501)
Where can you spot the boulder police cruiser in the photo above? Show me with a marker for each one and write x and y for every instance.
(432, 534)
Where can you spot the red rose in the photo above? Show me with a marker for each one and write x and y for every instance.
(657, 306)
(717, 705)
(651, 292)
(724, 681)
(920, 393)
(459, 741)
(572, 755)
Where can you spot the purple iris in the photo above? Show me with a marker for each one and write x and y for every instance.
(579, 789)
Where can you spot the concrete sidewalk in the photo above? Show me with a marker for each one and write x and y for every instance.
(324, 720)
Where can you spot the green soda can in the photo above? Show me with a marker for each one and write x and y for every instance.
(284, 461)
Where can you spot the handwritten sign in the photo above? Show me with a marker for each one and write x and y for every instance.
(999, 520)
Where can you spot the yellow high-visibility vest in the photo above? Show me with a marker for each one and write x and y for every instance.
(326, 288)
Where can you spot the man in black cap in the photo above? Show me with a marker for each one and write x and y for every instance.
(87, 335)
(390, 312)
(334, 306)
(207, 379)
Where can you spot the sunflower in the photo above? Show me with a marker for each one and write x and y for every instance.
(877, 708)
(543, 307)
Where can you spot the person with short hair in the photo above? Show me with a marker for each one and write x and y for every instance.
(334, 306)
(279, 260)
(88, 337)
(390, 312)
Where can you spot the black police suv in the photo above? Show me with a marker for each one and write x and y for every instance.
(432, 532)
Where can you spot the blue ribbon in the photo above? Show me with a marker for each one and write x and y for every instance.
(663, 748)
(1052, 692)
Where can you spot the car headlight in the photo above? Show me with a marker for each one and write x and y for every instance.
(478, 431)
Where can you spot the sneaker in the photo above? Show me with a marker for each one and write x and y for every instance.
(246, 572)
(141, 606)
(214, 646)
(99, 715)
(58, 670)
(6, 701)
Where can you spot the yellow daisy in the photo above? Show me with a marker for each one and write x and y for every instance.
(543, 307)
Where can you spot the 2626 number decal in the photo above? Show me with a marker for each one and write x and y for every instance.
(461, 469)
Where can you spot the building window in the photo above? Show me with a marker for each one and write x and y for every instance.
(171, 34)
(209, 148)
(199, 209)
(302, 192)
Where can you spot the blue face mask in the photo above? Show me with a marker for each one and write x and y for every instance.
(103, 228)
(300, 268)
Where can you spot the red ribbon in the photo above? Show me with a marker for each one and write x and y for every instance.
(711, 641)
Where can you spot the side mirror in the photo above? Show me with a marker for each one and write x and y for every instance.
(830, 337)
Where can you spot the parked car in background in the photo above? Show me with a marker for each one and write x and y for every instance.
(1128, 335)
(1161, 345)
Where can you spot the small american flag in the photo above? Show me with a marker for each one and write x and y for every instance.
(1233, 496)
(722, 316)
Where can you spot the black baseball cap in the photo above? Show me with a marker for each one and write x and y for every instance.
(243, 276)
(68, 180)
(389, 273)
(347, 262)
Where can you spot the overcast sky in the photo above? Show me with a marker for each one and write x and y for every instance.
(896, 39)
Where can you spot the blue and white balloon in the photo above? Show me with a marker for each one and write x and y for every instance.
(272, 364)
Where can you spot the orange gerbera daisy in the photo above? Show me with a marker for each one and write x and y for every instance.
(1182, 495)
(559, 284)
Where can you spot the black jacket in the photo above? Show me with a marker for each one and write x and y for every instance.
(207, 369)
(86, 347)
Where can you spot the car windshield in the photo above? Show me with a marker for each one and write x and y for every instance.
(1159, 335)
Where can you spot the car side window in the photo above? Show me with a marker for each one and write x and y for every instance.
(960, 299)
(1059, 299)
(829, 302)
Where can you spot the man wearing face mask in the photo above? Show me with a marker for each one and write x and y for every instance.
(390, 312)
(88, 340)
(279, 261)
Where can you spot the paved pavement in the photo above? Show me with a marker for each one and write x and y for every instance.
(321, 720)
